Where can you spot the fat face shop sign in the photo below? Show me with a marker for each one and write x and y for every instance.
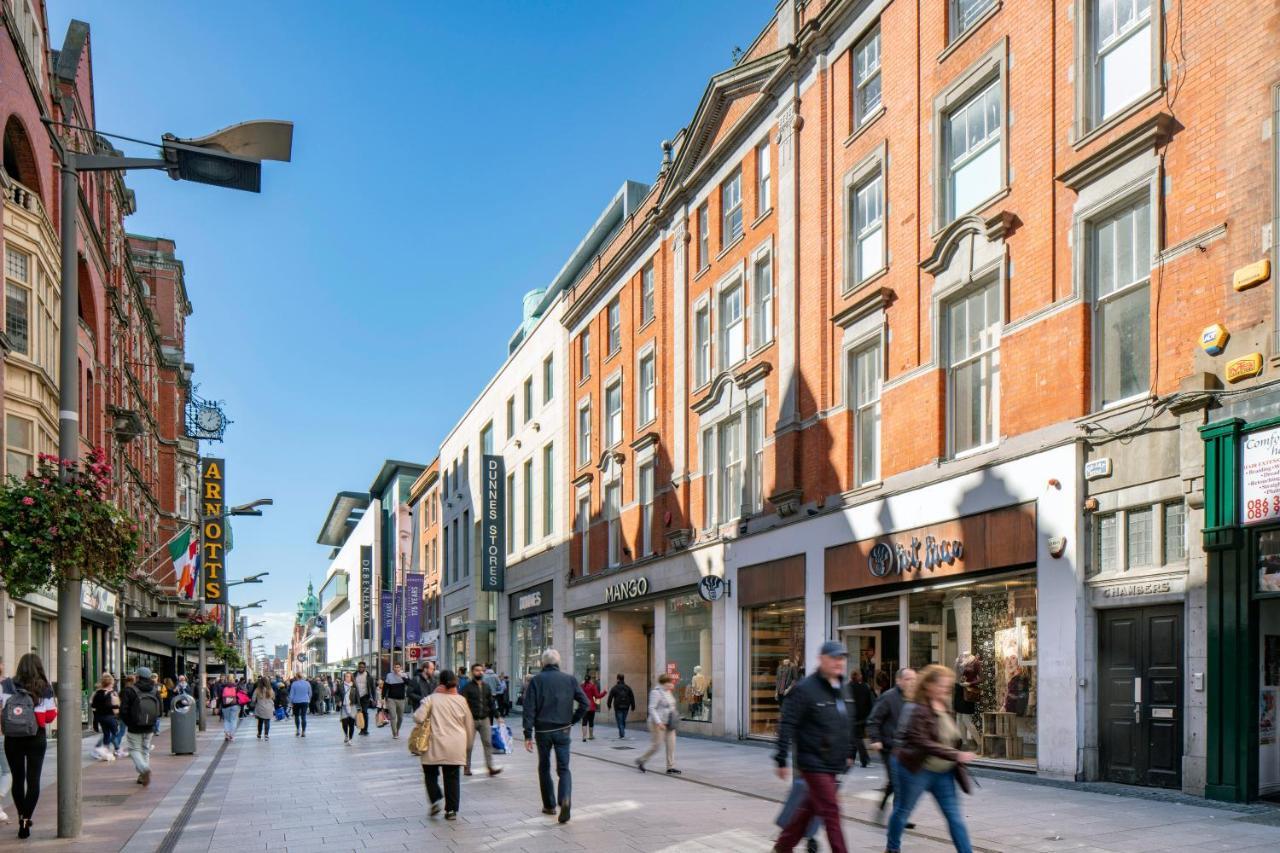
(626, 590)
(493, 487)
(900, 558)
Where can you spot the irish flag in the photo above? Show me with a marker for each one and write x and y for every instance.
(183, 550)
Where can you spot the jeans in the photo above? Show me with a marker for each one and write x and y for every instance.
(559, 741)
(349, 727)
(264, 727)
(659, 736)
(821, 802)
(452, 784)
(908, 787)
(108, 725)
(395, 707)
(230, 719)
(140, 750)
(300, 717)
(621, 717)
(481, 729)
(26, 758)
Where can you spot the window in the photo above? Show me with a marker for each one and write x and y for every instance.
(613, 514)
(615, 326)
(645, 486)
(965, 13)
(548, 379)
(865, 366)
(1175, 532)
(704, 237)
(1120, 266)
(702, 346)
(584, 529)
(708, 477)
(1107, 544)
(762, 318)
(511, 417)
(19, 457)
(763, 176)
(1121, 47)
(646, 405)
(486, 444)
(973, 380)
(1138, 537)
(868, 227)
(866, 77)
(466, 464)
(584, 434)
(511, 512)
(732, 338)
(528, 399)
(17, 305)
(465, 536)
(548, 490)
(646, 294)
(448, 577)
(755, 447)
(730, 446)
(584, 351)
(613, 414)
(731, 209)
(974, 158)
(528, 503)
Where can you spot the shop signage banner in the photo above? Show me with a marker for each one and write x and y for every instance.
(1260, 476)
(527, 602)
(634, 588)
(413, 607)
(213, 538)
(384, 618)
(397, 618)
(493, 537)
(366, 591)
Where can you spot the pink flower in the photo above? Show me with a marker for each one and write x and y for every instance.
(28, 501)
(53, 531)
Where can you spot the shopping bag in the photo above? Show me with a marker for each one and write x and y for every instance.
(420, 737)
(500, 738)
(360, 720)
(279, 714)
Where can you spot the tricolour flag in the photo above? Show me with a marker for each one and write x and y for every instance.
(183, 550)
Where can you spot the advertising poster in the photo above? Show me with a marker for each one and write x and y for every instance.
(384, 618)
(413, 584)
(1267, 716)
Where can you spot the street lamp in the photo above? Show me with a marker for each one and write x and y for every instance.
(251, 509)
(230, 158)
(251, 606)
(256, 624)
(250, 579)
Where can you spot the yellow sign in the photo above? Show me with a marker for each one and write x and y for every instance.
(1213, 339)
(213, 538)
(1252, 275)
(1244, 367)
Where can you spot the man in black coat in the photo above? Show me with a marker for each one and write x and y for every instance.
(860, 692)
(553, 704)
(422, 685)
(817, 716)
(882, 726)
(622, 701)
(484, 711)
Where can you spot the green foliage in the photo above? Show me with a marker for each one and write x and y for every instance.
(58, 520)
(191, 633)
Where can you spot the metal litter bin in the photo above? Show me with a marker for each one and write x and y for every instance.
(182, 726)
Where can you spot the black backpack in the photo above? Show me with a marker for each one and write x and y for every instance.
(146, 709)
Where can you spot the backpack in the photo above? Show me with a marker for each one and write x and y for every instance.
(145, 710)
(19, 717)
(229, 697)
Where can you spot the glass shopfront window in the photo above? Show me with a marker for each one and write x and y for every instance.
(586, 646)
(530, 637)
(870, 630)
(689, 655)
(775, 636)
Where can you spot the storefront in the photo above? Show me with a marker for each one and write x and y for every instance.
(456, 629)
(531, 629)
(962, 594)
(771, 596)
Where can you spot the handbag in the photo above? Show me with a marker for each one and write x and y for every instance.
(420, 737)
(360, 720)
(964, 779)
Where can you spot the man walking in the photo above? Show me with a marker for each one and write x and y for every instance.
(882, 728)
(422, 685)
(140, 707)
(300, 699)
(394, 687)
(663, 715)
(364, 684)
(860, 692)
(483, 711)
(553, 704)
(622, 701)
(817, 716)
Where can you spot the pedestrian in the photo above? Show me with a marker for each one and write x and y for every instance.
(105, 704)
(500, 695)
(664, 715)
(594, 695)
(140, 707)
(553, 704)
(816, 716)
(483, 712)
(506, 694)
(364, 685)
(118, 739)
(182, 688)
(27, 707)
(929, 759)
(860, 693)
(422, 685)
(6, 779)
(348, 706)
(622, 700)
(264, 707)
(452, 730)
(882, 728)
(226, 695)
(166, 694)
(326, 694)
(396, 695)
(282, 697)
(300, 699)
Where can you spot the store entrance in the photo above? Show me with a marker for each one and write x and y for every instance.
(1140, 706)
(1268, 699)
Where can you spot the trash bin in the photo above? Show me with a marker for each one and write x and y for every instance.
(182, 726)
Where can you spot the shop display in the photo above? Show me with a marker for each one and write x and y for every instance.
(775, 633)
(689, 655)
(586, 646)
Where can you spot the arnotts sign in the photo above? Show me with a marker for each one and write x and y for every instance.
(213, 532)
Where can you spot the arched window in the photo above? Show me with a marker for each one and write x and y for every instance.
(19, 157)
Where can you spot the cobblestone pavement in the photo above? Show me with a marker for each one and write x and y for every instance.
(290, 794)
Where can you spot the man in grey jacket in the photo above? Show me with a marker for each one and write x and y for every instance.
(882, 726)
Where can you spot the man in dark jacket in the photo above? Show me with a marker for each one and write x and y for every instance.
(882, 726)
(483, 711)
(422, 685)
(860, 692)
(553, 704)
(621, 700)
(140, 707)
(818, 718)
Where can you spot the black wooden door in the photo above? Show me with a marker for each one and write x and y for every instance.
(1140, 708)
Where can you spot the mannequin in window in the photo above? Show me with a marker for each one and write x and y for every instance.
(965, 699)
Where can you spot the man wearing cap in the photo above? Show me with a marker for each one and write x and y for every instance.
(140, 709)
(818, 716)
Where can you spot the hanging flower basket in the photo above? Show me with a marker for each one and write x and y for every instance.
(193, 632)
(58, 520)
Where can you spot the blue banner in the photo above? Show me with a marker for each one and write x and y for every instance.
(384, 618)
(413, 584)
(397, 618)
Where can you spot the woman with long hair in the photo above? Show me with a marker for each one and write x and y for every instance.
(264, 706)
(106, 713)
(348, 705)
(31, 695)
(929, 759)
(451, 730)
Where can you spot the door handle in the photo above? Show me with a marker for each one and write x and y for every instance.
(1137, 700)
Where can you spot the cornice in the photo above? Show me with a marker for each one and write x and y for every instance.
(992, 228)
(1151, 134)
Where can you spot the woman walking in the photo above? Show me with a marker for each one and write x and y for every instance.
(264, 707)
(27, 707)
(594, 697)
(927, 759)
(451, 731)
(348, 705)
(6, 780)
(105, 704)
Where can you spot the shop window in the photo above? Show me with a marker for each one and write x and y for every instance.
(586, 646)
(866, 77)
(530, 636)
(1175, 532)
(1138, 537)
(689, 655)
(1120, 251)
(775, 637)
(973, 375)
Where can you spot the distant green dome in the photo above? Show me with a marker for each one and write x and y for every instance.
(309, 607)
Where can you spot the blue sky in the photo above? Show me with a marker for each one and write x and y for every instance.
(447, 158)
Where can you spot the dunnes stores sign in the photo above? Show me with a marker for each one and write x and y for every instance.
(899, 558)
(626, 590)
(494, 526)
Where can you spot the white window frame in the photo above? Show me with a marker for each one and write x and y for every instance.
(873, 348)
(732, 226)
(993, 428)
(584, 435)
(613, 419)
(955, 163)
(1089, 57)
(870, 230)
(23, 283)
(762, 298)
(992, 65)
(729, 504)
(647, 390)
(764, 179)
(647, 295)
(645, 487)
(613, 519)
(584, 354)
(704, 236)
(709, 463)
(702, 342)
(754, 437)
(863, 77)
(11, 449)
(613, 325)
(727, 333)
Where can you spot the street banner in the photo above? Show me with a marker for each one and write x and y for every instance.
(213, 539)
(397, 618)
(366, 591)
(413, 584)
(384, 618)
(494, 526)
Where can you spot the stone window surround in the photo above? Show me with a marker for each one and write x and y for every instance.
(875, 161)
(649, 349)
(1088, 125)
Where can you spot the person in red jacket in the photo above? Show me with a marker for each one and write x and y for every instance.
(594, 697)
(29, 687)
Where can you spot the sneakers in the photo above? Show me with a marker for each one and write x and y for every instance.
(4, 818)
(144, 778)
(549, 810)
(435, 808)
(450, 815)
(671, 771)
(640, 764)
(494, 771)
(100, 753)
(564, 812)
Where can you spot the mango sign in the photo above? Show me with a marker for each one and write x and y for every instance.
(213, 531)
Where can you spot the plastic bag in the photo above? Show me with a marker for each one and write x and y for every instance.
(501, 739)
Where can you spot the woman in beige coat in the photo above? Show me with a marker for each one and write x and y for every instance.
(451, 731)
